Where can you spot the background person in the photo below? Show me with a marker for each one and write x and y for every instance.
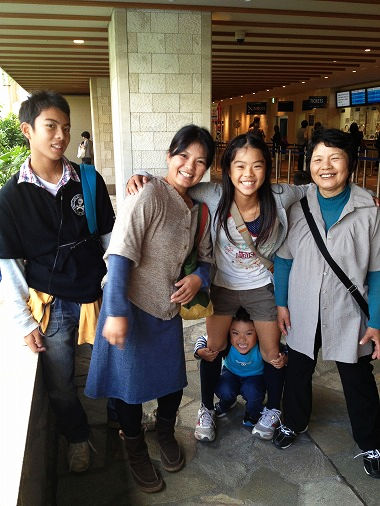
(315, 308)
(301, 141)
(86, 148)
(139, 351)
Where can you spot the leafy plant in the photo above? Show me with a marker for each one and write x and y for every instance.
(10, 162)
(10, 133)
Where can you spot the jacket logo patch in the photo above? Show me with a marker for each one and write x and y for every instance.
(77, 204)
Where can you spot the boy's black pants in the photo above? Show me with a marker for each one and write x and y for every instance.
(360, 391)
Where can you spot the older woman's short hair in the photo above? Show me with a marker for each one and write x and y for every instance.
(332, 137)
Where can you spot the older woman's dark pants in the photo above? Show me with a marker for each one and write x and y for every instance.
(360, 391)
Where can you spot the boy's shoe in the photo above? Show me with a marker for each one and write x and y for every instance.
(78, 456)
(221, 411)
(283, 437)
(267, 423)
(371, 461)
(248, 421)
(205, 428)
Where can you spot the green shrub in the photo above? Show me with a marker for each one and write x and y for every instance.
(10, 162)
(10, 133)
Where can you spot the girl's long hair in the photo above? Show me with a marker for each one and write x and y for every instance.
(267, 202)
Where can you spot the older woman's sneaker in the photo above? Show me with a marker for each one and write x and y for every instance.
(283, 437)
(268, 422)
(205, 429)
(371, 461)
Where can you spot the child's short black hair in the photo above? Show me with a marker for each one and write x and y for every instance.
(38, 102)
(241, 315)
(85, 134)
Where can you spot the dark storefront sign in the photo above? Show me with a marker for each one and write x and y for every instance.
(256, 108)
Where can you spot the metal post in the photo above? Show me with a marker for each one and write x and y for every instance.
(378, 182)
(276, 166)
(289, 164)
(364, 167)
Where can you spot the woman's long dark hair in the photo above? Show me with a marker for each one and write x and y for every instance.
(267, 202)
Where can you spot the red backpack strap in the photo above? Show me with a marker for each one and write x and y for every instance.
(202, 221)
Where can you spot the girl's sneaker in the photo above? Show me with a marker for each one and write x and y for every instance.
(205, 428)
(268, 422)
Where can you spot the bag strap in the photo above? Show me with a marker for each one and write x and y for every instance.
(201, 223)
(241, 227)
(353, 289)
(88, 180)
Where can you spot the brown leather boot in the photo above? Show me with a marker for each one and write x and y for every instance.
(172, 457)
(145, 475)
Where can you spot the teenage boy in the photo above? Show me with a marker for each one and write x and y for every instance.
(48, 254)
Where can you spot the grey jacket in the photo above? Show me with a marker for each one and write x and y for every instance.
(354, 243)
(284, 194)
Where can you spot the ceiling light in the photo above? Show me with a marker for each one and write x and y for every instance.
(78, 41)
(303, 82)
(334, 61)
(325, 77)
(267, 90)
(367, 50)
(241, 96)
(283, 85)
(253, 93)
(354, 71)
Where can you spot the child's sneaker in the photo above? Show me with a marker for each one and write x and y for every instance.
(221, 410)
(267, 423)
(205, 428)
(371, 461)
(248, 421)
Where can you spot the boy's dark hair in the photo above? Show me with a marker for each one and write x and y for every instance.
(188, 135)
(38, 102)
(267, 202)
(85, 134)
(241, 315)
(334, 138)
(304, 123)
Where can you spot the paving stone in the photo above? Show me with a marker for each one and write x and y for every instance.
(268, 487)
(326, 493)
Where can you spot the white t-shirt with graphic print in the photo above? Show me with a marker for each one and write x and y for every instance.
(238, 268)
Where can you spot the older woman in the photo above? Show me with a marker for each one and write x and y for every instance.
(315, 309)
(138, 352)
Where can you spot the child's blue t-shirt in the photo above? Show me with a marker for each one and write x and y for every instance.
(250, 364)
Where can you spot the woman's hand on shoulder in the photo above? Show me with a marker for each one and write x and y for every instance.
(115, 330)
(188, 287)
(373, 335)
(283, 319)
(135, 184)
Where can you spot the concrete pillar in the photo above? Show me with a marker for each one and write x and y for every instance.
(160, 73)
(101, 116)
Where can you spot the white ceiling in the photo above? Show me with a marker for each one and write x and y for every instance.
(320, 42)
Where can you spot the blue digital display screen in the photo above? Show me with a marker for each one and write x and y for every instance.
(358, 97)
(373, 95)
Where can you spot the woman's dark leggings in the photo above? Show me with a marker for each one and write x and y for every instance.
(130, 415)
(210, 372)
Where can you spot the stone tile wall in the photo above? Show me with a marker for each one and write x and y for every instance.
(100, 93)
(169, 63)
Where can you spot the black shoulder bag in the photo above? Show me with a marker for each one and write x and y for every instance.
(353, 289)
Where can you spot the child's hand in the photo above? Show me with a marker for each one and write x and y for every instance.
(188, 287)
(281, 361)
(207, 354)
